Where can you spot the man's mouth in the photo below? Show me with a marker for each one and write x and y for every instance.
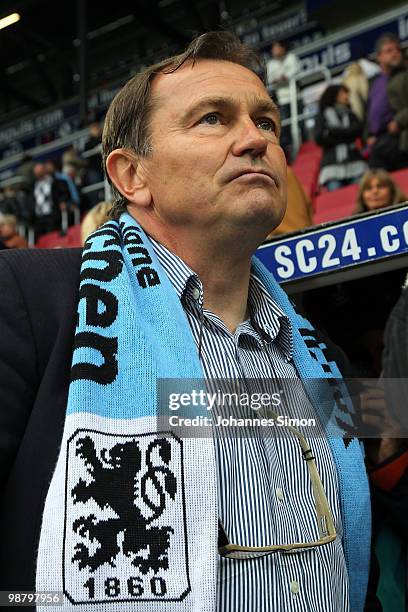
(251, 173)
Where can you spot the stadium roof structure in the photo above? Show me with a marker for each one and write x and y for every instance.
(39, 58)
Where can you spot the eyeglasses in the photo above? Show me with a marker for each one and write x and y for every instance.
(325, 524)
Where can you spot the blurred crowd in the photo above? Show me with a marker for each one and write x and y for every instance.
(363, 116)
(47, 195)
(361, 127)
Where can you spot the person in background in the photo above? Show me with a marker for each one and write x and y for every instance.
(94, 219)
(336, 131)
(9, 236)
(356, 82)
(71, 158)
(51, 169)
(282, 67)
(387, 462)
(378, 190)
(51, 196)
(388, 108)
(298, 212)
(94, 171)
(18, 200)
(26, 169)
(93, 156)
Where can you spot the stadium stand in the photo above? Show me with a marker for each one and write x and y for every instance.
(54, 240)
(339, 204)
(306, 167)
(306, 88)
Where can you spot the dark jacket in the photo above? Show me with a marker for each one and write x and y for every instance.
(39, 295)
(398, 96)
(38, 303)
(329, 137)
(59, 194)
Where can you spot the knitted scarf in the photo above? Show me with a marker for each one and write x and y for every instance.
(130, 519)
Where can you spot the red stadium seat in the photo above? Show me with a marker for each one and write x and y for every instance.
(333, 205)
(401, 178)
(339, 204)
(54, 240)
(306, 167)
(74, 235)
(340, 198)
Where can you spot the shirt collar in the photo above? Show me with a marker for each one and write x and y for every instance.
(267, 317)
(181, 276)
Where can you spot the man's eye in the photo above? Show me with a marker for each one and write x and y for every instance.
(211, 119)
(266, 124)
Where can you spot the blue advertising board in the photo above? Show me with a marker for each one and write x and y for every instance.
(358, 240)
(293, 26)
(354, 43)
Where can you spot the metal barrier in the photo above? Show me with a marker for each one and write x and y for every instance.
(297, 118)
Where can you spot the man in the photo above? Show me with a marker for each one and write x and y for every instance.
(51, 195)
(99, 502)
(94, 172)
(280, 69)
(51, 170)
(388, 108)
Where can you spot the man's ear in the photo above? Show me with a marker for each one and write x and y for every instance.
(124, 170)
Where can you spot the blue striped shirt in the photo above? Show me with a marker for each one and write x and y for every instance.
(264, 489)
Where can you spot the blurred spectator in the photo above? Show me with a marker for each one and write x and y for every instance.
(377, 190)
(280, 69)
(51, 169)
(356, 82)
(26, 170)
(283, 66)
(388, 108)
(9, 235)
(336, 131)
(299, 208)
(96, 217)
(93, 144)
(51, 195)
(71, 156)
(18, 200)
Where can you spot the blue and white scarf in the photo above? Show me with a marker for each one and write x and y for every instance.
(130, 519)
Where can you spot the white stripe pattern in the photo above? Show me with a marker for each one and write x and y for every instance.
(264, 489)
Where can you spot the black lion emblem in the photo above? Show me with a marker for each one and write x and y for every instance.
(114, 485)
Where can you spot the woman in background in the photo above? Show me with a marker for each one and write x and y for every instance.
(336, 131)
(378, 190)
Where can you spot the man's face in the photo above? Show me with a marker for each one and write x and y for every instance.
(216, 163)
(390, 55)
(95, 130)
(278, 51)
(39, 171)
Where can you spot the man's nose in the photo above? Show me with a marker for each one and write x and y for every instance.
(249, 140)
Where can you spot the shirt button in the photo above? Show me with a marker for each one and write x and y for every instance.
(196, 293)
(294, 587)
(279, 494)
